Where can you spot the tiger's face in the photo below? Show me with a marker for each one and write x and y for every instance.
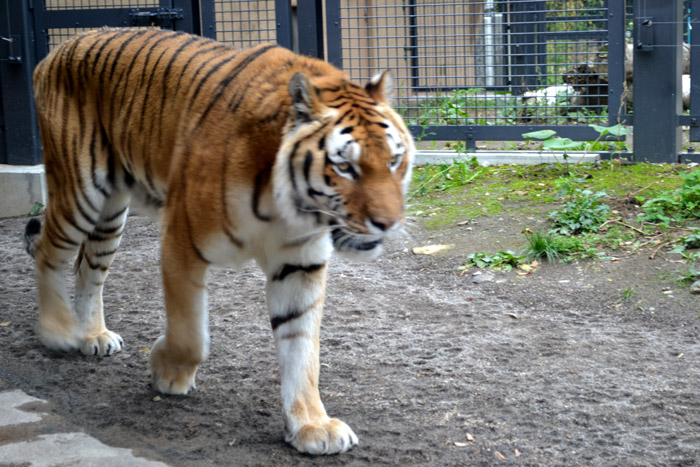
(344, 163)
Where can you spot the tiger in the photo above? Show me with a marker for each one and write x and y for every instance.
(258, 154)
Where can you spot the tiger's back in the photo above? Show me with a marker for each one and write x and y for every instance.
(258, 153)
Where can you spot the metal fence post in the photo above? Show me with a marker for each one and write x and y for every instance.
(310, 27)
(657, 39)
(21, 144)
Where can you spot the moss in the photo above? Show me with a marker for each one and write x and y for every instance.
(446, 194)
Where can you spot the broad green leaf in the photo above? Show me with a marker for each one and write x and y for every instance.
(541, 134)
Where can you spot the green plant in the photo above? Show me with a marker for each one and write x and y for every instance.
(582, 213)
(502, 260)
(436, 178)
(36, 209)
(677, 205)
(628, 293)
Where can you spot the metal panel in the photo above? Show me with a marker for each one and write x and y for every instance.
(21, 135)
(480, 63)
(657, 79)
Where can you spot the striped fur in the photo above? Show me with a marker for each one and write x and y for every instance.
(255, 154)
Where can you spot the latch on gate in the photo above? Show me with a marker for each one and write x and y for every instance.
(645, 34)
(154, 17)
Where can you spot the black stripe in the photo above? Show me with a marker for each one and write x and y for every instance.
(261, 179)
(100, 254)
(95, 266)
(199, 54)
(121, 49)
(346, 130)
(308, 160)
(103, 47)
(278, 321)
(288, 269)
(115, 215)
(292, 177)
(229, 78)
(169, 66)
(233, 239)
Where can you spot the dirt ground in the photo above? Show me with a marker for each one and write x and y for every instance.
(558, 367)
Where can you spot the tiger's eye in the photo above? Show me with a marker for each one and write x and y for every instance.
(343, 166)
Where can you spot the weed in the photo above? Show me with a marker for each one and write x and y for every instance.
(583, 213)
(628, 293)
(503, 260)
(36, 210)
(675, 206)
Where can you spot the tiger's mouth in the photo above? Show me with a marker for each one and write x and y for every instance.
(347, 240)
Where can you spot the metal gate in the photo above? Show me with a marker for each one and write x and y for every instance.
(465, 70)
(29, 30)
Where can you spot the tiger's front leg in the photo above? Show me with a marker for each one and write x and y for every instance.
(295, 294)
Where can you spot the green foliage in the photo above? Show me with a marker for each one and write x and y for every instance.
(552, 142)
(503, 260)
(553, 247)
(437, 178)
(36, 209)
(583, 213)
(677, 205)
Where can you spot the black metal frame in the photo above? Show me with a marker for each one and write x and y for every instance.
(23, 41)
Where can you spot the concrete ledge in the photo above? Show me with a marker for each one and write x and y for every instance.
(20, 187)
(499, 157)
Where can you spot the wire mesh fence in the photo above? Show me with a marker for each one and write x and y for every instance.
(472, 62)
(243, 23)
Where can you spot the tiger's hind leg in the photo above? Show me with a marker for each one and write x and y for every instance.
(92, 266)
(52, 249)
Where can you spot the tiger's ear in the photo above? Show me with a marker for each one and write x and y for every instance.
(305, 100)
(381, 87)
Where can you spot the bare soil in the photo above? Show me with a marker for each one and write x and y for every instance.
(558, 367)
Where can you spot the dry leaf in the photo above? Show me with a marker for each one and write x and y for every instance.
(525, 267)
(470, 437)
(512, 315)
(517, 453)
(520, 193)
(156, 399)
(431, 249)
(464, 222)
(500, 456)
(523, 273)
(534, 264)
(232, 442)
(5, 323)
(460, 444)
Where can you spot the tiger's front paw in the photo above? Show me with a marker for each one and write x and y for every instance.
(103, 344)
(330, 437)
(168, 375)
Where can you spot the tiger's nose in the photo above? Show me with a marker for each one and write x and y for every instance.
(384, 225)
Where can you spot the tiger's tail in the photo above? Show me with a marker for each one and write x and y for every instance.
(31, 235)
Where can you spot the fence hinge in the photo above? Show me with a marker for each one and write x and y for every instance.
(645, 34)
(11, 49)
(155, 16)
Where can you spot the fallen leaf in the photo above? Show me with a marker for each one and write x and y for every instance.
(470, 437)
(431, 249)
(500, 456)
(5, 323)
(512, 315)
(525, 267)
(517, 453)
(232, 442)
(465, 222)
(156, 399)
(145, 350)
(534, 264)
(459, 444)
(520, 193)
(523, 273)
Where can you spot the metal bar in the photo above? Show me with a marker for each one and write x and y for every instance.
(657, 80)
(475, 133)
(334, 39)
(283, 20)
(310, 27)
(21, 139)
(413, 43)
(57, 19)
(616, 61)
(191, 21)
(694, 72)
(208, 19)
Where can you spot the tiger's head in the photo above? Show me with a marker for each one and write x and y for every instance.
(344, 163)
